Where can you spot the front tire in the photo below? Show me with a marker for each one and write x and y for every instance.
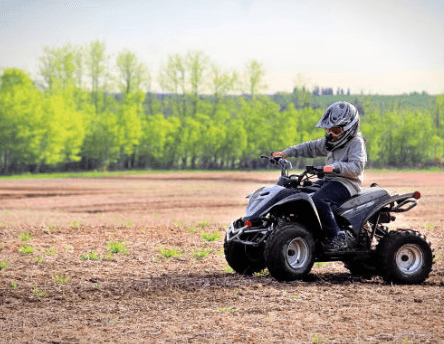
(405, 257)
(244, 259)
(289, 252)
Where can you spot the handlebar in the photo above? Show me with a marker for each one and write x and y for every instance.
(285, 165)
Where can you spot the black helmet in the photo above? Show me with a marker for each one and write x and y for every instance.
(341, 115)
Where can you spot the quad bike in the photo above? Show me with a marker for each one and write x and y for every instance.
(281, 231)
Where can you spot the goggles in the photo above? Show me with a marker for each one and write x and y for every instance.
(335, 132)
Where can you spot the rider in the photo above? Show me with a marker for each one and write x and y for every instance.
(344, 147)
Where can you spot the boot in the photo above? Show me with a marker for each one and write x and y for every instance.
(337, 243)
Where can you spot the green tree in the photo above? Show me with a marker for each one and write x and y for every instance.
(132, 73)
(253, 78)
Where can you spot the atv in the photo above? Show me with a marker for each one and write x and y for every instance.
(281, 231)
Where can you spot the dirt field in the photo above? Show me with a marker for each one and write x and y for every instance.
(72, 289)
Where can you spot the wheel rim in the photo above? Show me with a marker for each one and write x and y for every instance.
(297, 253)
(409, 259)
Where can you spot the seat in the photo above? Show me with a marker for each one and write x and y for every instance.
(364, 196)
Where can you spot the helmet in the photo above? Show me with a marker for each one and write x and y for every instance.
(342, 115)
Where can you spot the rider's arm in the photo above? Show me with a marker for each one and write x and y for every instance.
(354, 164)
(310, 149)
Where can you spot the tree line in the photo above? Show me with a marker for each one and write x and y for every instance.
(89, 112)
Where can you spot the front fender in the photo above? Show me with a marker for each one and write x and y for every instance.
(301, 206)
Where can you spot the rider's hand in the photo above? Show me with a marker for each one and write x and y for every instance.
(279, 154)
(328, 169)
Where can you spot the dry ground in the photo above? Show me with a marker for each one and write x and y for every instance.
(141, 296)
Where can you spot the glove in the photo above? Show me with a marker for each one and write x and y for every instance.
(330, 169)
(281, 154)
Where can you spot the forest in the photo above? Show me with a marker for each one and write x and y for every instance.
(88, 111)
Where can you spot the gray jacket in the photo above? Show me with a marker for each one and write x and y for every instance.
(349, 160)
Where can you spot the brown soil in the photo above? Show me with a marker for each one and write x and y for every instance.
(140, 296)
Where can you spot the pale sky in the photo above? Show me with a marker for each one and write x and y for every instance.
(370, 46)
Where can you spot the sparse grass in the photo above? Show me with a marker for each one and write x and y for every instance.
(262, 273)
(319, 264)
(192, 229)
(90, 256)
(170, 252)
(26, 249)
(38, 292)
(39, 259)
(117, 247)
(61, 278)
(436, 257)
(406, 341)
(179, 224)
(429, 226)
(211, 236)
(317, 339)
(75, 224)
(203, 224)
(49, 251)
(226, 309)
(228, 270)
(200, 254)
(25, 236)
(50, 229)
(3, 264)
(14, 286)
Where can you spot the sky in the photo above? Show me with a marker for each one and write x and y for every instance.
(369, 46)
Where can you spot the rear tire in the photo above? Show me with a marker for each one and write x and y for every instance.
(405, 257)
(289, 252)
(244, 259)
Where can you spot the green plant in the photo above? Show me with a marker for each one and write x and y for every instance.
(117, 247)
(228, 270)
(192, 229)
(26, 249)
(316, 339)
(211, 236)
(226, 309)
(262, 273)
(49, 251)
(90, 256)
(50, 228)
(200, 254)
(75, 224)
(14, 285)
(436, 257)
(61, 278)
(429, 226)
(319, 264)
(406, 341)
(170, 252)
(3, 264)
(25, 236)
(37, 292)
(39, 259)
(203, 224)
(179, 224)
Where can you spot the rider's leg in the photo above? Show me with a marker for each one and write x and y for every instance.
(332, 193)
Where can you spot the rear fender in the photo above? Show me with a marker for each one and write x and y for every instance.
(404, 203)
